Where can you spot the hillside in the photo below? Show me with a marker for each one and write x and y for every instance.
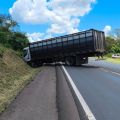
(14, 75)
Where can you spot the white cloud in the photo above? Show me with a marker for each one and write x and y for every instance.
(35, 36)
(29, 11)
(67, 26)
(107, 29)
(63, 16)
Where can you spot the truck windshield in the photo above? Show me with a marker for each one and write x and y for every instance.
(24, 53)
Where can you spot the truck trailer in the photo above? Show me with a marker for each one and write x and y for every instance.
(72, 49)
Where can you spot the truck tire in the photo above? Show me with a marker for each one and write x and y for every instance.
(32, 64)
(70, 60)
(36, 64)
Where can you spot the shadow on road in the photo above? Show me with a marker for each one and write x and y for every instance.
(77, 66)
(89, 66)
(84, 66)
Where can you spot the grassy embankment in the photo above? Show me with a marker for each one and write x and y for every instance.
(113, 60)
(109, 58)
(14, 75)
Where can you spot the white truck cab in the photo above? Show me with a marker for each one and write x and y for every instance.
(26, 54)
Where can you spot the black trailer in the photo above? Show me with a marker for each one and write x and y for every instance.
(73, 49)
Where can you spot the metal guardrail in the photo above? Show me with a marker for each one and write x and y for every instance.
(84, 111)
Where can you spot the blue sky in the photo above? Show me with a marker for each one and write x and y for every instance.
(103, 13)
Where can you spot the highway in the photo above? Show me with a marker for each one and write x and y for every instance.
(104, 64)
(49, 97)
(100, 87)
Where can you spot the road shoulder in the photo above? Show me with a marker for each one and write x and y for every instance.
(37, 101)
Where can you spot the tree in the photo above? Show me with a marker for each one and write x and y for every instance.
(18, 41)
(7, 23)
(8, 36)
(113, 42)
(116, 49)
(110, 42)
(117, 33)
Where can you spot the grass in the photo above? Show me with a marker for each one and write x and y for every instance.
(113, 60)
(108, 57)
(14, 75)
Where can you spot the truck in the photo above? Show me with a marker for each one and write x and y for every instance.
(72, 49)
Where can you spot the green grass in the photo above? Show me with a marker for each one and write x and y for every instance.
(108, 57)
(14, 75)
(2, 49)
(113, 60)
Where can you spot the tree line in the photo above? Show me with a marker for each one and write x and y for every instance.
(113, 42)
(10, 35)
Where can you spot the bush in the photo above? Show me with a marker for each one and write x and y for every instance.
(109, 55)
(18, 41)
(10, 38)
(116, 48)
(2, 49)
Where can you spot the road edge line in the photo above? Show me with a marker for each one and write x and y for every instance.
(88, 113)
(106, 70)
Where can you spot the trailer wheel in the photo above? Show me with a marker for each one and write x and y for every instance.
(67, 61)
(70, 60)
(36, 64)
(33, 64)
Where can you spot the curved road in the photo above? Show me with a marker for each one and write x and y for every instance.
(100, 88)
(105, 64)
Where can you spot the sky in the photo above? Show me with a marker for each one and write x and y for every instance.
(42, 19)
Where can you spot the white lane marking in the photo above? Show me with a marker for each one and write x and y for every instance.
(110, 71)
(84, 105)
(104, 70)
(116, 73)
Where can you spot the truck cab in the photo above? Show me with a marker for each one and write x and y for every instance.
(26, 54)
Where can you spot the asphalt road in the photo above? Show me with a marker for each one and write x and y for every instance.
(37, 101)
(100, 88)
(105, 64)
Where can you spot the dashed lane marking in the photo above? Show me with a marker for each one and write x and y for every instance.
(110, 71)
